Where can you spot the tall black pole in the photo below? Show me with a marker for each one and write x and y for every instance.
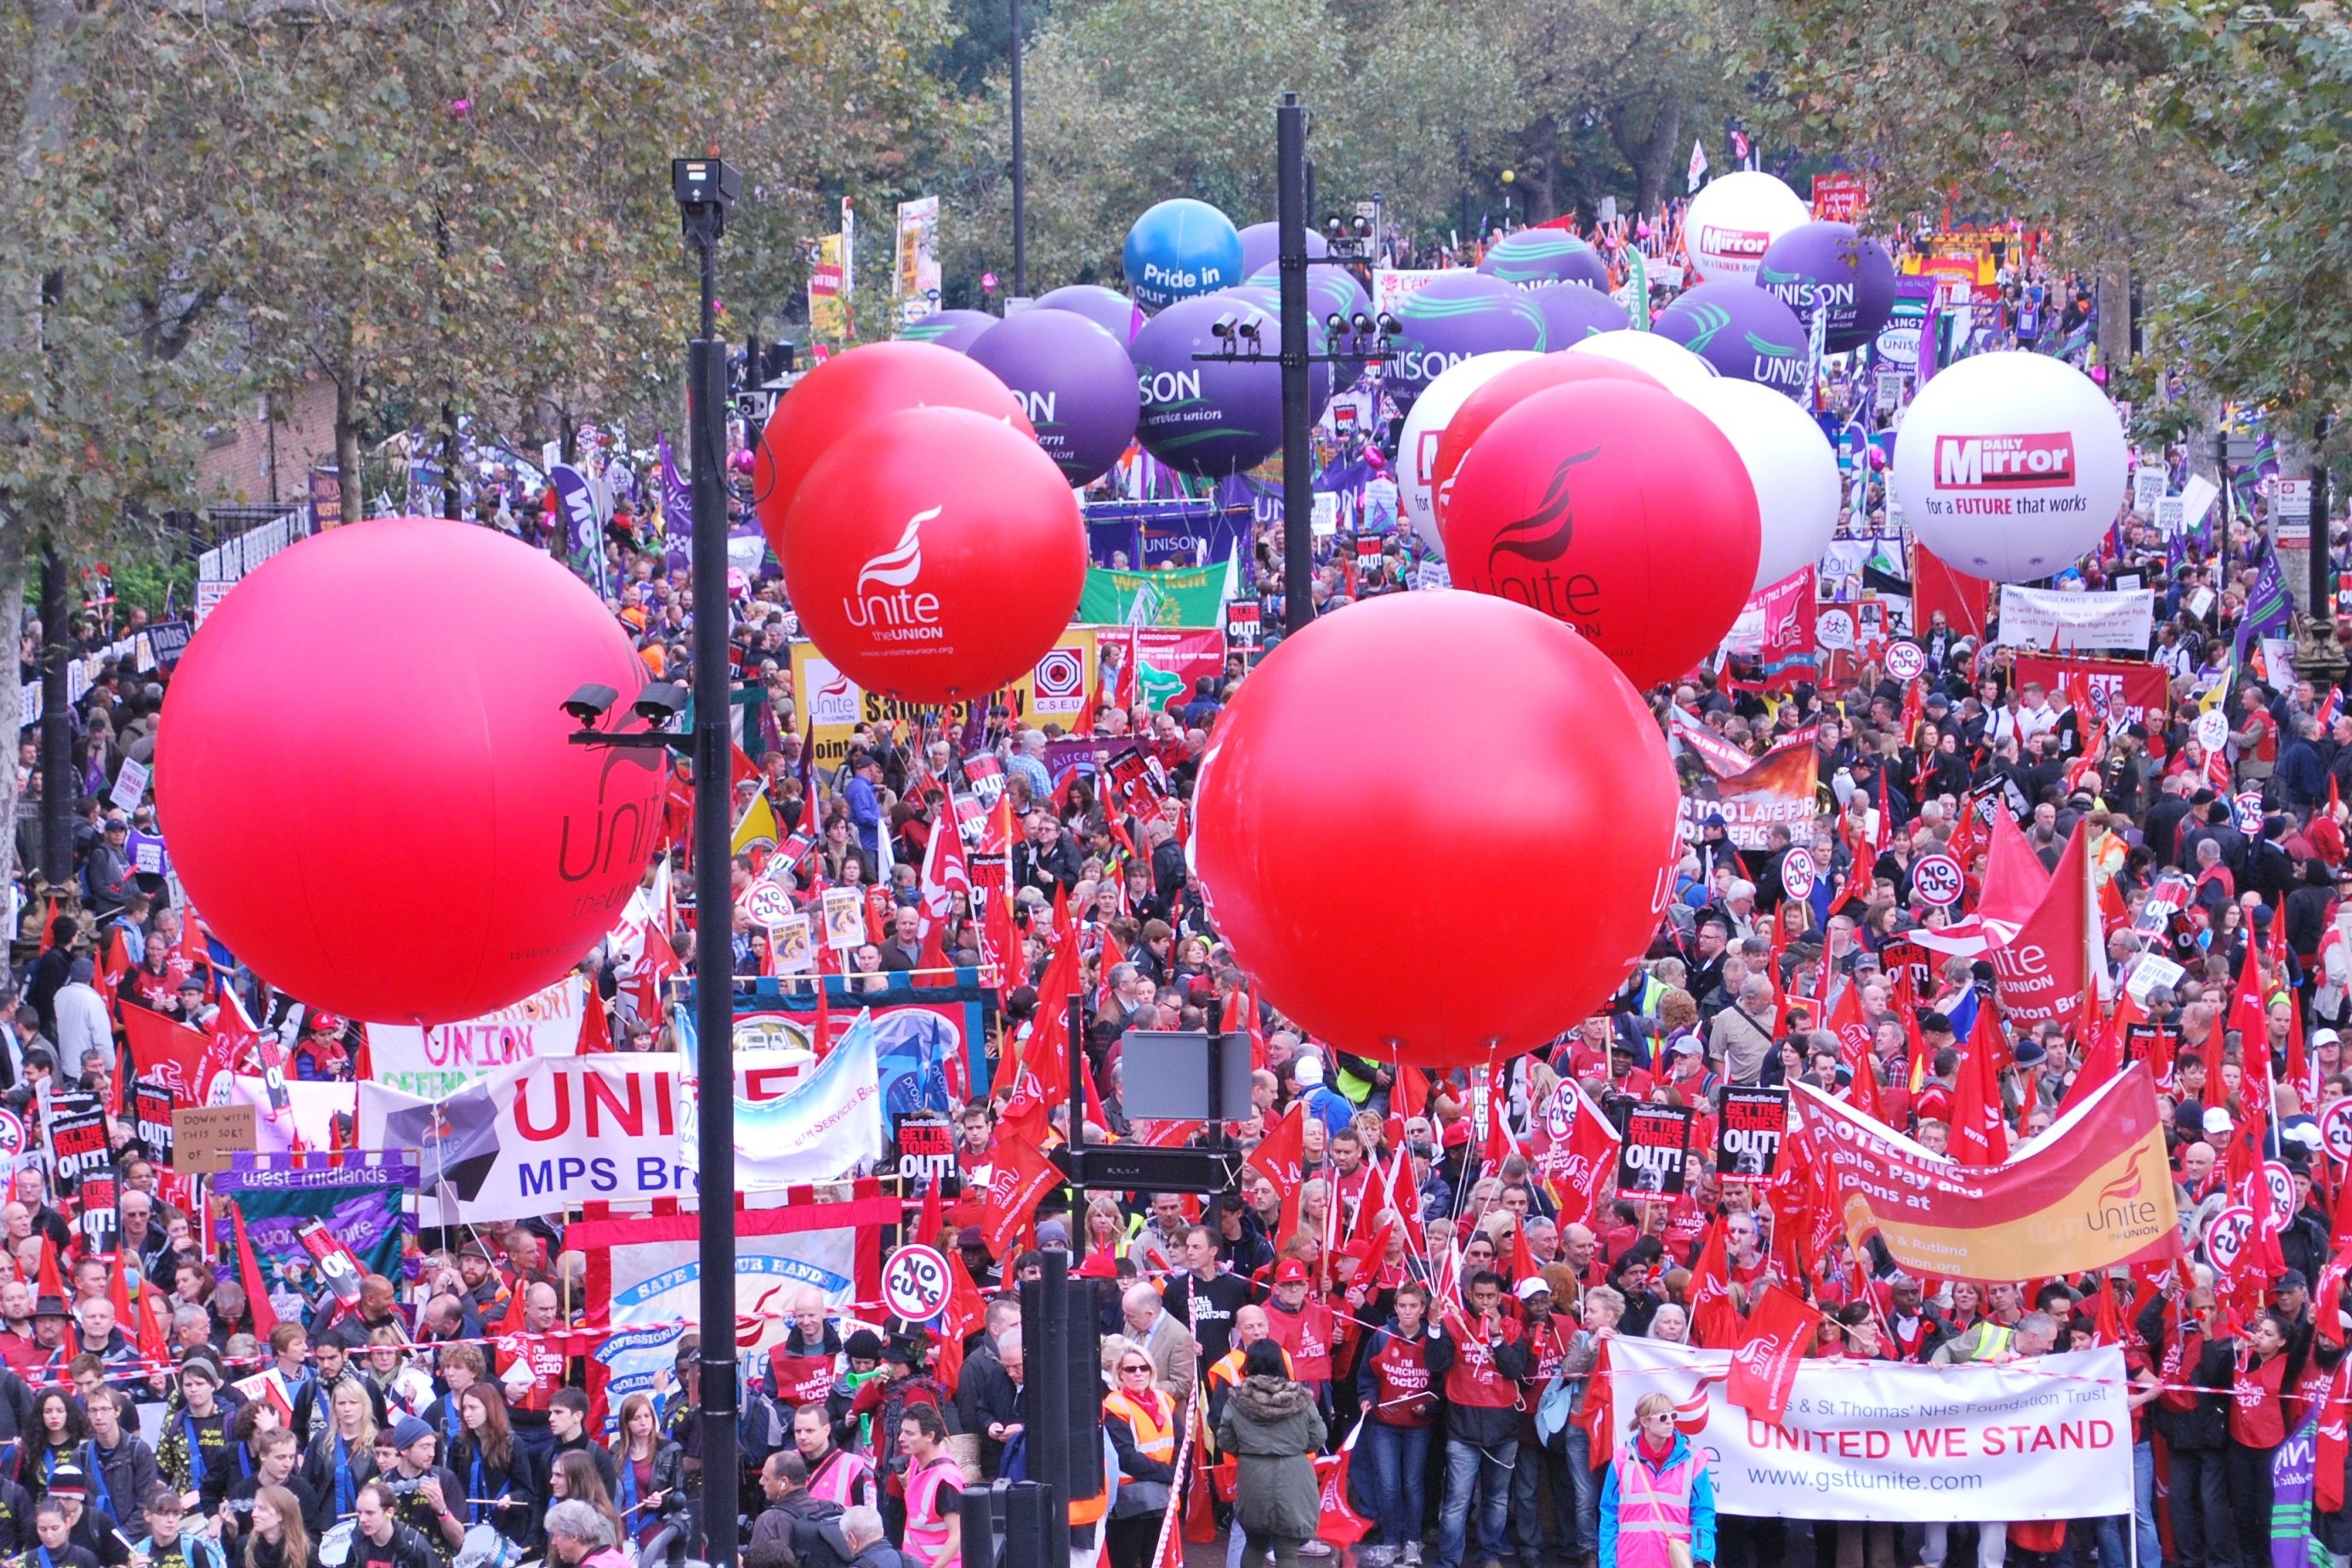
(1077, 1012)
(2322, 599)
(714, 1001)
(1297, 453)
(1020, 173)
(57, 788)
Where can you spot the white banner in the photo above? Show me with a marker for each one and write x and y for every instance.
(2046, 618)
(2046, 1439)
(546, 1135)
(444, 1058)
(829, 1126)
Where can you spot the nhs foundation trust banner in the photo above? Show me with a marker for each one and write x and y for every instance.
(2046, 1439)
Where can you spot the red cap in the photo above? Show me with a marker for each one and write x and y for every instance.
(1098, 1266)
(1457, 1133)
(1290, 1271)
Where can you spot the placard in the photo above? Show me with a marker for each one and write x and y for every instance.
(844, 919)
(152, 1110)
(1651, 1160)
(77, 1145)
(205, 1137)
(1747, 1137)
(925, 1145)
(130, 784)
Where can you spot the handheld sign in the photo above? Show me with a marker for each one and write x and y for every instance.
(1798, 873)
(2336, 1132)
(2226, 1236)
(915, 1283)
(1936, 879)
(1748, 1140)
(1905, 660)
(2280, 1183)
(1651, 1160)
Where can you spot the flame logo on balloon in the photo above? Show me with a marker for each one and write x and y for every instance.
(903, 562)
(1544, 533)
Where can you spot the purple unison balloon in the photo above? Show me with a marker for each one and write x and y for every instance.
(957, 330)
(1746, 332)
(1452, 318)
(1531, 255)
(1331, 292)
(1214, 416)
(1109, 309)
(1261, 247)
(1075, 381)
(1574, 311)
(1838, 265)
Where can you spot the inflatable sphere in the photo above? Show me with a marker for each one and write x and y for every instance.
(1217, 416)
(1732, 221)
(934, 554)
(1575, 311)
(1533, 255)
(1789, 461)
(398, 683)
(1330, 741)
(1075, 381)
(1331, 292)
(1109, 309)
(1835, 266)
(1262, 248)
(1487, 401)
(1617, 508)
(1424, 430)
(851, 388)
(1454, 316)
(2010, 464)
(1666, 362)
(1178, 249)
(957, 330)
(1744, 331)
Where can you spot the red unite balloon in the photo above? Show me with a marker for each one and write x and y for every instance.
(852, 388)
(1328, 828)
(934, 554)
(1485, 405)
(1617, 508)
(364, 775)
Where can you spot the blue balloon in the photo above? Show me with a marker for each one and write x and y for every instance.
(1454, 317)
(957, 330)
(1206, 413)
(1574, 311)
(1180, 249)
(1109, 309)
(1262, 248)
(1533, 255)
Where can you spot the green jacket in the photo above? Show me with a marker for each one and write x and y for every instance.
(1271, 1426)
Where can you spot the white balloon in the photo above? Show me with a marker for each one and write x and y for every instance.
(1790, 462)
(1676, 368)
(2009, 465)
(1732, 221)
(1426, 421)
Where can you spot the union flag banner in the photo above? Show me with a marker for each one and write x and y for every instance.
(1778, 790)
(2091, 1193)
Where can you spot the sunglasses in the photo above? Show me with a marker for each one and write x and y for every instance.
(1131, 1367)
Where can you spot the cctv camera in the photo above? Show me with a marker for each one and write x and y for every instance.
(660, 703)
(590, 703)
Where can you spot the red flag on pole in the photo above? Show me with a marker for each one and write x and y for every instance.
(1764, 1368)
(1980, 1136)
(265, 1316)
(1713, 1321)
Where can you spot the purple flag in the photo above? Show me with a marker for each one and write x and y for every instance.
(677, 511)
(576, 500)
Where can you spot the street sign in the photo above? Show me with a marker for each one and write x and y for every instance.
(915, 1283)
(1798, 873)
(1938, 880)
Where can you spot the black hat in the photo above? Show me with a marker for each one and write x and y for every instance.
(864, 1345)
(2029, 1053)
(901, 1352)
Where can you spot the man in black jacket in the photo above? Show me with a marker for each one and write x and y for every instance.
(784, 1479)
(2196, 1425)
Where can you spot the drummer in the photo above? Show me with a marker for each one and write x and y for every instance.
(277, 1454)
(422, 1492)
(381, 1541)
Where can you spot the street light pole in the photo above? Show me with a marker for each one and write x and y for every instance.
(1020, 173)
(705, 188)
(1297, 453)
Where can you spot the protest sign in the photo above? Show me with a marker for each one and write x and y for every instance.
(434, 1062)
(2048, 618)
(924, 1144)
(94, 1209)
(827, 1125)
(205, 1137)
(1747, 1137)
(834, 704)
(1778, 790)
(367, 1200)
(1894, 1443)
(1194, 598)
(1651, 1160)
(2091, 1193)
(2122, 691)
(644, 1278)
(150, 1105)
(77, 1143)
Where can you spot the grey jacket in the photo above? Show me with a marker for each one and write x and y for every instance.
(1271, 1426)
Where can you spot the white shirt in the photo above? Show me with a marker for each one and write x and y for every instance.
(81, 1028)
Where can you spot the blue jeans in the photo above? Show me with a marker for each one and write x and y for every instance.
(1539, 1470)
(2114, 1549)
(1587, 1482)
(1486, 1472)
(1399, 1458)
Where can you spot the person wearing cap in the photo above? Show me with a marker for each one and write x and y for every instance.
(1488, 1360)
(196, 1451)
(95, 1532)
(1539, 1470)
(1323, 1102)
(426, 1495)
(1305, 1328)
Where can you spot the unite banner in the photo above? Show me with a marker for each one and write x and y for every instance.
(1887, 1442)
(437, 1061)
(2093, 1191)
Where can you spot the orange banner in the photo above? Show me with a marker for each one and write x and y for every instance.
(2092, 1192)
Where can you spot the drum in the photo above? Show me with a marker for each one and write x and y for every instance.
(484, 1547)
(335, 1546)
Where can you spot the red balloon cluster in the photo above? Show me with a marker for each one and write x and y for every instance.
(364, 771)
(1327, 749)
(931, 549)
(1512, 387)
(1615, 507)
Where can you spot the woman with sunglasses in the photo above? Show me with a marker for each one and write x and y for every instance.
(1657, 1500)
(1140, 1420)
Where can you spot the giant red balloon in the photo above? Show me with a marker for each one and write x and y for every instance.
(934, 554)
(364, 775)
(1323, 837)
(1482, 407)
(852, 388)
(1617, 508)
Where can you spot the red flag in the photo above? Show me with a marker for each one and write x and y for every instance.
(1409, 1095)
(1713, 1321)
(2039, 972)
(1277, 1158)
(166, 1052)
(966, 1311)
(945, 874)
(1980, 1136)
(2250, 1016)
(265, 1317)
(1200, 1507)
(2329, 1325)
(2327, 1482)
(1853, 1035)
(932, 1217)
(1599, 1418)
(51, 1285)
(595, 1028)
(1341, 1525)
(1019, 1179)
(1764, 1368)
(2101, 1063)
(656, 965)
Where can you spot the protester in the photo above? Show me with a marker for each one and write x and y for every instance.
(1271, 1426)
